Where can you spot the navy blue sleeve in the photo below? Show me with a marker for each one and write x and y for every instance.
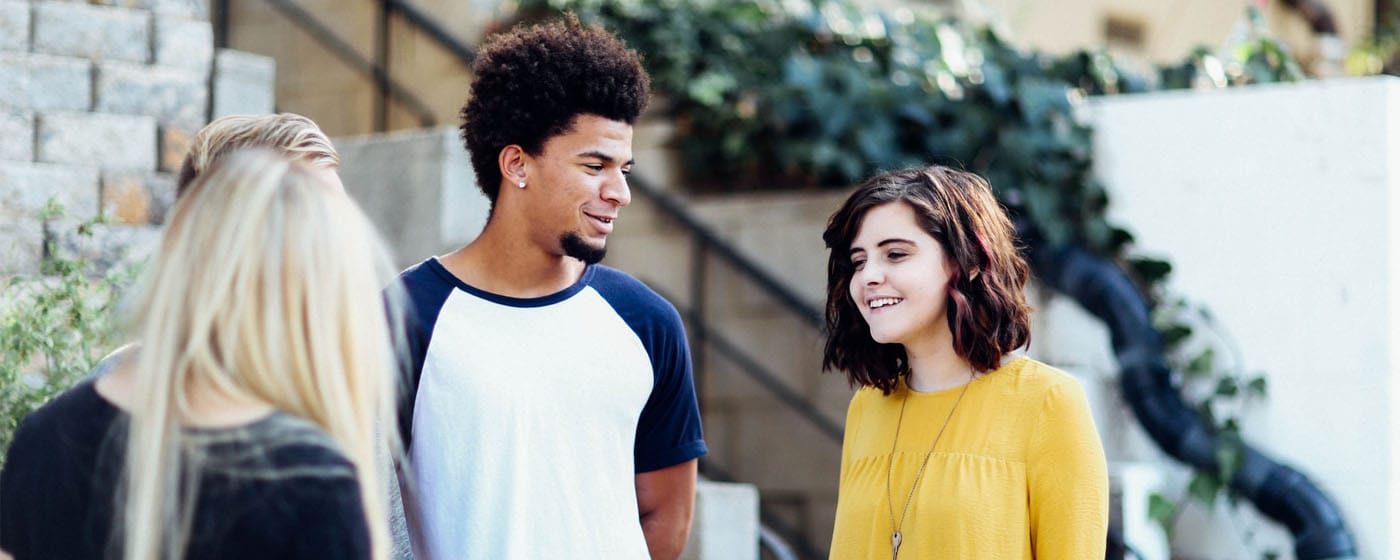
(424, 291)
(669, 430)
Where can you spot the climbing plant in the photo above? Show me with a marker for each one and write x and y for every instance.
(812, 94)
(53, 326)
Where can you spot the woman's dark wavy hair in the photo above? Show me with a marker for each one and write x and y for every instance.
(987, 311)
(533, 81)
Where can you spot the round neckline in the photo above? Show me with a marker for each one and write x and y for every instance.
(510, 301)
(952, 392)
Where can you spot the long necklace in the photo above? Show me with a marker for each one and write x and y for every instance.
(896, 538)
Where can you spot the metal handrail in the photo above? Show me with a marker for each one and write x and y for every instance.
(770, 381)
(424, 21)
(343, 50)
(675, 210)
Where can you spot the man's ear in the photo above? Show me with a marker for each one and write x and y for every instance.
(514, 164)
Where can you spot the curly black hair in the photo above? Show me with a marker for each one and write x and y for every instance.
(533, 81)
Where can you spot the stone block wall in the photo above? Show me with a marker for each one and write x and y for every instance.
(98, 103)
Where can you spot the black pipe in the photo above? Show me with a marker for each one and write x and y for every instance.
(1276, 490)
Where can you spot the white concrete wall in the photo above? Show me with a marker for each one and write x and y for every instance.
(1277, 206)
(418, 188)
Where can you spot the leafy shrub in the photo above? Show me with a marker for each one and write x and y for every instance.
(53, 327)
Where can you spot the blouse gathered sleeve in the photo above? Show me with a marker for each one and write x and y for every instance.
(1067, 478)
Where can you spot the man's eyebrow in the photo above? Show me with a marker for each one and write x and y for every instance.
(605, 158)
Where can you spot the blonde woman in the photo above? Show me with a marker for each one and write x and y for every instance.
(297, 138)
(293, 136)
(248, 428)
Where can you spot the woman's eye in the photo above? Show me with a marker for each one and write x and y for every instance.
(858, 264)
(594, 166)
(896, 255)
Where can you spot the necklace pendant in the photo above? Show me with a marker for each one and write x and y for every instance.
(894, 545)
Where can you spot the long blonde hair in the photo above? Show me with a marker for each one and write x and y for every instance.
(267, 285)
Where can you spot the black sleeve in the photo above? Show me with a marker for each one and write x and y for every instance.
(330, 520)
(10, 492)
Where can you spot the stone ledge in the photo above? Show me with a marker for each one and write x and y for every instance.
(45, 83)
(14, 26)
(243, 84)
(23, 249)
(26, 186)
(174, 96)
(184, 43)
(174, 145)
(137, 197)
(98, 140)
(96, 32)
(16, 135)
(189, 9)
(110, 247)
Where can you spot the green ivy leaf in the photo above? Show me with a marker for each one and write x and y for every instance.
(1175, 334)
(1149, 269)
(1258, 386)
(1227, 387)
(1162, 511)
(1202, 364)
(1204, 488)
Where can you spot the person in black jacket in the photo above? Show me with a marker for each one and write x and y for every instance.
(247, 427)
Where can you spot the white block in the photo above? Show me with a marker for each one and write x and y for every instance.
(726, 522)
(1279, 207)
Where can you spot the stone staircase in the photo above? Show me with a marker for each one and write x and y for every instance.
(98, 102)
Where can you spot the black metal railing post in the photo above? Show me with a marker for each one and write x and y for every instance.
(347, 54)
(221, 24)
(381, 80)
(698, 255)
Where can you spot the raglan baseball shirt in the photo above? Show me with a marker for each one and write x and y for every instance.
(528, 419)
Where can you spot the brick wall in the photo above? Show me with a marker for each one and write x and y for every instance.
(98, 102)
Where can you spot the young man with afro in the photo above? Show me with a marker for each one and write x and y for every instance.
(550, 410)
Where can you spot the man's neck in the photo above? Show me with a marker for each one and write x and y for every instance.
(509, 264)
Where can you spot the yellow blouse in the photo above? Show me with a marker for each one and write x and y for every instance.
(1019, 472)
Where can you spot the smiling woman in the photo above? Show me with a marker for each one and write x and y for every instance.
(925, 305)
